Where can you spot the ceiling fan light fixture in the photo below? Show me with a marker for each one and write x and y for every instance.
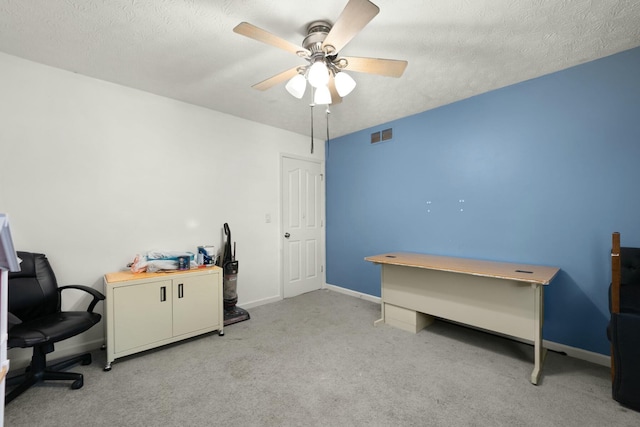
(322, 96)
(297, 85)
(344, 83)
(318, 74)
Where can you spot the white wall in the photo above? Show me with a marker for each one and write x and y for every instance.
(93, 173)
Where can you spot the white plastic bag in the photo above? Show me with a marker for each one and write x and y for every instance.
(154, 265)
(160, 261)
(139, 264)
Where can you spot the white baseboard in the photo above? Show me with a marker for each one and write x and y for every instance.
(578, 353)
(20, 358)
(260, 302)
(356, 294)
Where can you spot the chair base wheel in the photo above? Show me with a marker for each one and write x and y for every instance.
(86, 360)
(39, 372)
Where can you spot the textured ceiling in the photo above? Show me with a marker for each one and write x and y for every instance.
(186, 49)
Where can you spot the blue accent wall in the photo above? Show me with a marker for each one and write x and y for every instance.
(541, 172)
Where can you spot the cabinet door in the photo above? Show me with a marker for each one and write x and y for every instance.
(142, 314)
(195, 303)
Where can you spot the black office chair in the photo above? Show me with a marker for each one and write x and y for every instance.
(624, 327)
(36, 320)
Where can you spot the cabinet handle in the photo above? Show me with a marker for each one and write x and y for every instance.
(163, 293)
(180, 290)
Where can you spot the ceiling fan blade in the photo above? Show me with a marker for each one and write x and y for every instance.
(278, 78)
(253, 32)
(382, 67)
(355, 16)
(335, 98)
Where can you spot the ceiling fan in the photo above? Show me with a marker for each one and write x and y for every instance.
(325, 67)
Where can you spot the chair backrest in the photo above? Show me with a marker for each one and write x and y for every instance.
(630, 280)
(33, 291)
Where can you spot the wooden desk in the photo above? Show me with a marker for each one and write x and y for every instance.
(495, 296)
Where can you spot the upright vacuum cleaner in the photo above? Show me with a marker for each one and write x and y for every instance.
(229, 264)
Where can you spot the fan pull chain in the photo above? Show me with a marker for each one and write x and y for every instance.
(312, 105)
(311, 128)
(327, 114)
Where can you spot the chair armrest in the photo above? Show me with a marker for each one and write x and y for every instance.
(12, 320)
(97, 296)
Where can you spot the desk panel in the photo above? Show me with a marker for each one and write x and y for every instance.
(503, 306)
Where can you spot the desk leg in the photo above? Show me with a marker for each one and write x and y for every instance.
(539, 351)
(381, 319)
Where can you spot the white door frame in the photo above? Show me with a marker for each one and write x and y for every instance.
(321, 163)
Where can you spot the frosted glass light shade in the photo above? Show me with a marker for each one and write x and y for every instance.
(322, 96)
(344, 83)
(297, 85)
(318, 74)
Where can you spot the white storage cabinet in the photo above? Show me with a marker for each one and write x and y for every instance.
(148, 310)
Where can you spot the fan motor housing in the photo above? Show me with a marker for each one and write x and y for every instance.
(316, 33)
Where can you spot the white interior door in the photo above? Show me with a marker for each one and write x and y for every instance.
(302, 226)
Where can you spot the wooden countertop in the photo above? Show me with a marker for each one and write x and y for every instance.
(538, 274)
(123, 276)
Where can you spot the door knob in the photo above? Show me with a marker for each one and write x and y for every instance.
(287, 235)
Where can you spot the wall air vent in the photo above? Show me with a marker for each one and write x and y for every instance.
(384, 135)
(375, 137)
